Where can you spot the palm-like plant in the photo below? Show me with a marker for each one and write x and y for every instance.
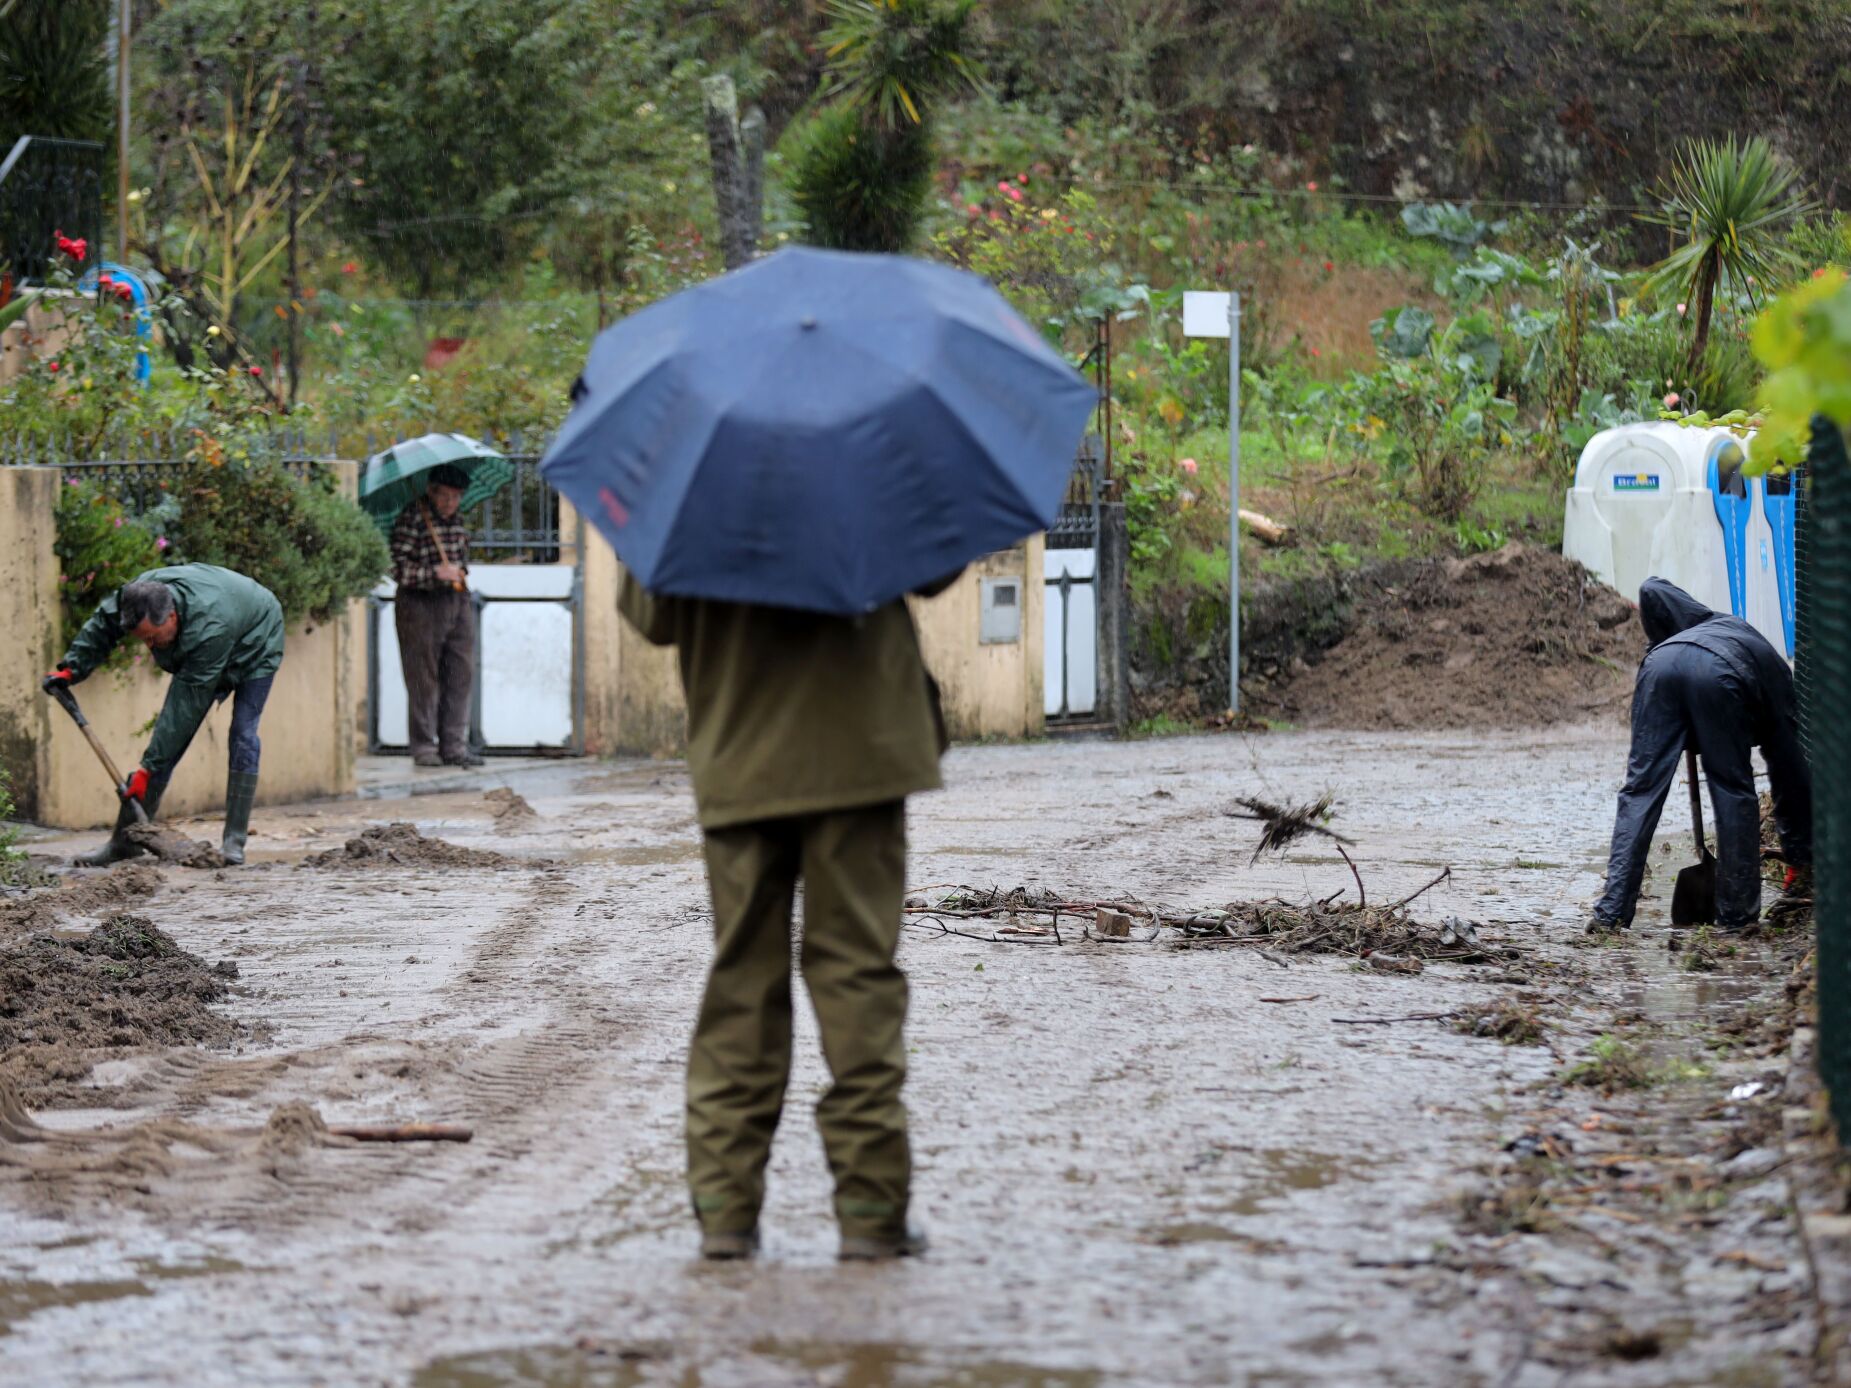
(861, 169)
(893, 57)
(1729, 201)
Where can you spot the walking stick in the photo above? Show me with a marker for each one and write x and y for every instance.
(430, 528)
(62, 693)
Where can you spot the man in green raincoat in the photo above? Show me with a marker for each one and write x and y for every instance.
(217, 633)
(806, 733)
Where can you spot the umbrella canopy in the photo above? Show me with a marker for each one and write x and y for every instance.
(819, 430)
(395, 478)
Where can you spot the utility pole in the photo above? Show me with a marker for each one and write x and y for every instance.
(123, 20)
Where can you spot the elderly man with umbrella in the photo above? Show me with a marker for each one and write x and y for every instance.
(432, 608)
(780, 457)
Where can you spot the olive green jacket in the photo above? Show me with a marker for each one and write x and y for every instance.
(231, 632)
(793, 712)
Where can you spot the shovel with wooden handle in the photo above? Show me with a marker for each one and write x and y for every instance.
(62, 693)
(1693, 896)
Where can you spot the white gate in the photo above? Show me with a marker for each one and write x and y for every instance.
(528, 694)
(1070, 649)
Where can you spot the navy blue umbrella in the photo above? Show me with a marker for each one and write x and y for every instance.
(819, 430)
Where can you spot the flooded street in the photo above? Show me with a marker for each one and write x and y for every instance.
(1138, 1164)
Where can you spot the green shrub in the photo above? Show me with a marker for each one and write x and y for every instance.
(303, 541)
(860, 187)
(100, 546)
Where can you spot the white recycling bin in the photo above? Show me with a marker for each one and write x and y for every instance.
(1660, 500)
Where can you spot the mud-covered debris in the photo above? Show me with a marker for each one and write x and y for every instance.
(171, 846)
(1322, 927)
(124, 984)
(1283, 826)
(1508, 1019)
(401, 843)
(509, 806)
(1394, 963)
(78, 895)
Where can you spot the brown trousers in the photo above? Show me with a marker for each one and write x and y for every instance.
(437, 646)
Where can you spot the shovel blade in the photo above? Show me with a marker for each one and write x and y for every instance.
(1693, 895)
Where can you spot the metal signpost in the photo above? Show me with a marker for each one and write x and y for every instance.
(1217, 314)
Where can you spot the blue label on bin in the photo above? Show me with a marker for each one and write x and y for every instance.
(1635, 482)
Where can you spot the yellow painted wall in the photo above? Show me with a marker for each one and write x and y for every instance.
(995, 690)
(307, 729)
(633, 698)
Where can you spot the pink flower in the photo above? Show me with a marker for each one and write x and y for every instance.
(1311, 187)
(1015, 194)
(1021, 178)
(1188, 465)
(973, 209)
(1680, 309)
(1671, 401)
(118, 522)
(1003, 187)
(1316, 353)
(161, 542)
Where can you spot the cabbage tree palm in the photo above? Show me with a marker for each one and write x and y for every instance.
(861, 169)
(1730, 202)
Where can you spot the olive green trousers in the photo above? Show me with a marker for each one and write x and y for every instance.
(853, 867)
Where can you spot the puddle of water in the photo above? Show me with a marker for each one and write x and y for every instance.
(545, 1366)
(900, 1366)
(19, 1300)
(209, 1266)
(648, 855)
(839, 1366)
(1289, 1170)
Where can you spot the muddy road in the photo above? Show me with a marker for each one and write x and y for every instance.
(1138, 1165)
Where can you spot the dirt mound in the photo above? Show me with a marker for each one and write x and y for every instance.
(1517, 638)
(125, 984)
(83, 895)
(401, 843)
(509, 806)
(171, 846)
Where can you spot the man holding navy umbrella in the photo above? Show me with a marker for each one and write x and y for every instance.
(780, 457)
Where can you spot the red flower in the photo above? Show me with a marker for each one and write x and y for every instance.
(257, 371)
(350, 267)
(1329, 265)
(1316, 353)
(77, 249)
(51, 366)
(124, 293)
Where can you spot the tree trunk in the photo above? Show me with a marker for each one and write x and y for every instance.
(1700, 311)
(736, 151)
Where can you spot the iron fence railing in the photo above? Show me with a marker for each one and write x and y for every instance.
(1822, 621)
(49, 186)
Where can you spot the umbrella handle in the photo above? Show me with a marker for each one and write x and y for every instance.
(430, 528)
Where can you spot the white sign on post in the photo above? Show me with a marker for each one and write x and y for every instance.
(1216, 313)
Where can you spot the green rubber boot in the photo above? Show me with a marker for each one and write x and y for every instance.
(119, 846)
(240, 798)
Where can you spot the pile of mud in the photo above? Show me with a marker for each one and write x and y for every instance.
(125, 984)
(1513, 639)
(171, 846)
(509, 806)
(78, 895)
(401, 843)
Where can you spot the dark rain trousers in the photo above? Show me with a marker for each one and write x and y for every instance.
(852, 863)
(437, 647)
(1688, 694)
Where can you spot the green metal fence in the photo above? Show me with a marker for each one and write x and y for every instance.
(1822, 671)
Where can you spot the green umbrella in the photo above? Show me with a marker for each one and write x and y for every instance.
(395, 478)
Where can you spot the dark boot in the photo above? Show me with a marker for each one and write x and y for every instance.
(119, 846)
(240, 798)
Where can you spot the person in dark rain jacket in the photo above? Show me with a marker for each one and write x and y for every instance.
(1713, 682)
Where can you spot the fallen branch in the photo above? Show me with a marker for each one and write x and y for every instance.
(1445, 873)
(1385, 1021)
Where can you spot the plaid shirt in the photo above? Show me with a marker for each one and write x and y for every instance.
(414, 555)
